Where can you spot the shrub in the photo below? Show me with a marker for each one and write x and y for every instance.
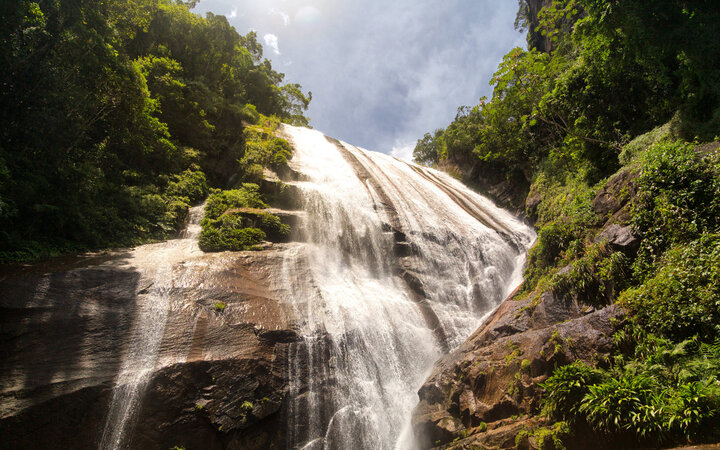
(250, 114)
(247, 196)
(263, 149)
(235, 221)
(678, 200)
(594, 278)
(683, 298)
(219, 307)
(189, 184)
(622, 403)
(213, 239)
(273, 226)
(635, 148)
(566, 388)
(551, 437)
(552, 240)
(692, 409)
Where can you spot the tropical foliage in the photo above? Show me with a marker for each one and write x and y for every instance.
(628, 88)
(116, 115)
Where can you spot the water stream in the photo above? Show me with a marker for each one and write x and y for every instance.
(405, 262)
(158, 263)
(399, 265)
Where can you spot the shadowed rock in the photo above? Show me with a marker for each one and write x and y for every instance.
(494, 376)
(65, 335)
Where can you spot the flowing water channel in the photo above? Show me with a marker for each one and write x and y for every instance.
(405, 262)
(400, 264)
(159, 263)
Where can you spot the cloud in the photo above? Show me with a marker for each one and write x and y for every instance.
(272, 41)
(404, 152)
(285, 17)
(307, 15)
(382, 73)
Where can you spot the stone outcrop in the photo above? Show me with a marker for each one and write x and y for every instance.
(508, 189)
(221, 376)
(612, 201)
(484, 393)
(494, 378)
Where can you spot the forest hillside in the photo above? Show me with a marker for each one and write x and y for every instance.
(604, 134)
(117, 115)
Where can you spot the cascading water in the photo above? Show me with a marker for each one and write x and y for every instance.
(405, 262)
(396, 265)
(158, 262)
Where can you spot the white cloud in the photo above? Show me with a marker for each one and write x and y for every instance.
(233, 14)
(307, 15)
(403, 151)
(382, 73)
(272, 41)
(285, 17)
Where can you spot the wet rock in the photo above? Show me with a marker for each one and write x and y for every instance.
(495, 375)
(402, 249)
(220, 380)
(280, 194)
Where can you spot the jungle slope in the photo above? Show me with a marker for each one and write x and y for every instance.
(116, 116)
(605, 140)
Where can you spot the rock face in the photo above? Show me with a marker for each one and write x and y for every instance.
(221, 375)
(507, 189)
(484, 393)
(494, 377)
(612, 200)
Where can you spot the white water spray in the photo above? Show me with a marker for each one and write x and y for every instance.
(151, 313)
(405, 261)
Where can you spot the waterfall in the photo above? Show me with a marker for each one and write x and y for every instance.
(158, 262)
(405, 262)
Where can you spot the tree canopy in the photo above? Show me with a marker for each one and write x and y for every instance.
(105, 104)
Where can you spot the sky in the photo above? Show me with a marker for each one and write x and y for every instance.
(382, 72)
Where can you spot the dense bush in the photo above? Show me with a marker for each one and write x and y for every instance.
(219, 201)
(682, 299)
(229, 235)
(664, 393)
(566, 390)
(191, 184)
(553, 240)
(595, 278)
(678, 200)
(263, 149)
(235, 220)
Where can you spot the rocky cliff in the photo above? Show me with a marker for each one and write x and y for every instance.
(221, 374)
(320, 342)
(486, 394)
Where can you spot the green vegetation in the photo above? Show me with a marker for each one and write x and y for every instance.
(219, 307)
(235, 220)
(263, 149)
(115, 116)
(626, 89)
(246, 406)
(661, 393)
